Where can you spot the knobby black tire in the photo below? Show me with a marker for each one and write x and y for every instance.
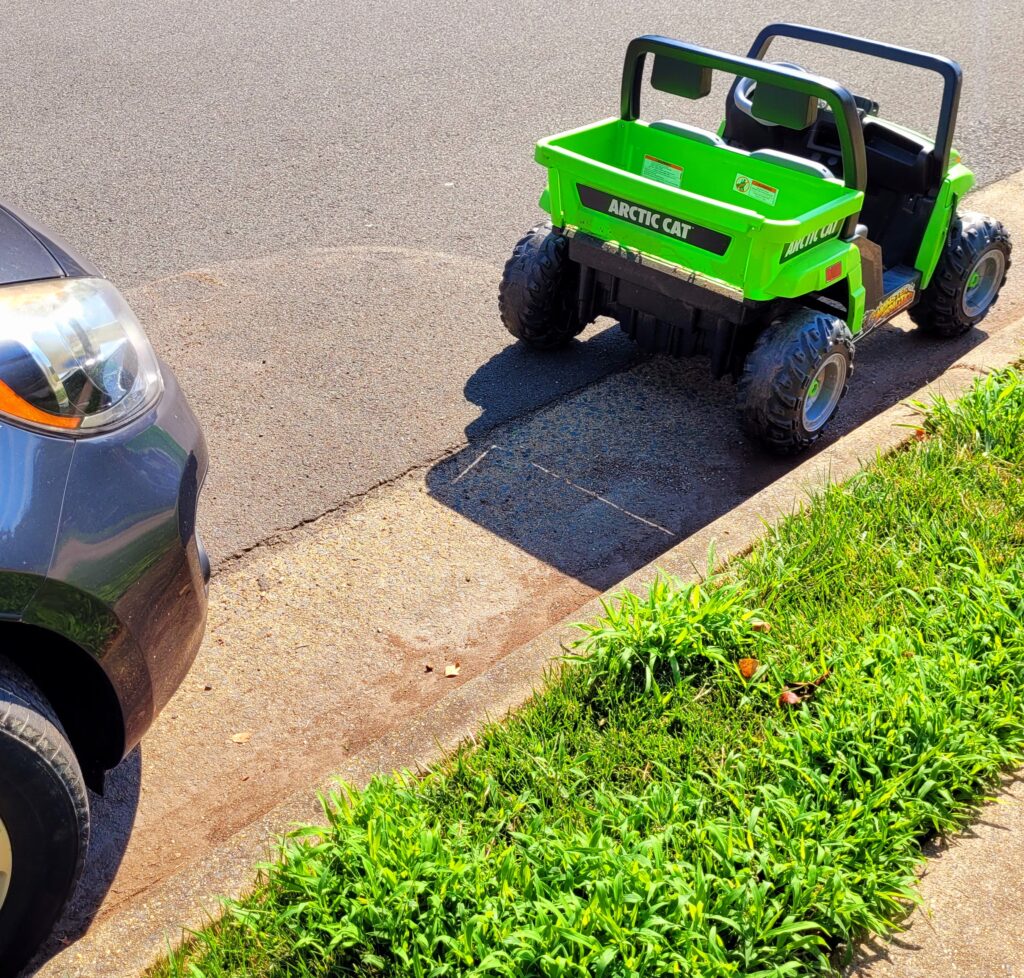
(778, 373)
(45, 810)
(940, 311)
(538, 291)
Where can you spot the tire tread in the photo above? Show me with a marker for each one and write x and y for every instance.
(27, 718)
(536, 298)
(939, 312)
(777, 372)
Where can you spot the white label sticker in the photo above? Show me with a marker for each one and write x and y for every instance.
(655, 169)
(750, 187)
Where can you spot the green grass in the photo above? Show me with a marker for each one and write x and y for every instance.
(653, 812)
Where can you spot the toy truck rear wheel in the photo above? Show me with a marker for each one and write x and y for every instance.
(971, 271)
(538, 291)
(794, 379)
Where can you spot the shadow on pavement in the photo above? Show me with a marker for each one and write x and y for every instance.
(113, 815)
(518, 379)
(605, 480)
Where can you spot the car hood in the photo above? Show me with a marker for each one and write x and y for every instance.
(23, 257)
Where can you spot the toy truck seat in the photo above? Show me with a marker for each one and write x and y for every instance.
(904, 169)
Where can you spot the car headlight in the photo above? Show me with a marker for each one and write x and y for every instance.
(73, 357)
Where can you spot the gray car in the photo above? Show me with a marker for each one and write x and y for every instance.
(102, 575)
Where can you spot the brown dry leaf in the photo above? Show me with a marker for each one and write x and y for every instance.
(806, 689)
(760, 626)
(241, 738)
(748, 667)
(452, 669)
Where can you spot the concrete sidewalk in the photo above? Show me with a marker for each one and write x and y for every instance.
(971, 923)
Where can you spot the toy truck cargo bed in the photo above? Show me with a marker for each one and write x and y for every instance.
(683, 197)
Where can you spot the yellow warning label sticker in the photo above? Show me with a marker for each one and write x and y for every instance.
(750, 187)
(662, 171)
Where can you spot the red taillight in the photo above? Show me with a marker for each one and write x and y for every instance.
(833, 271)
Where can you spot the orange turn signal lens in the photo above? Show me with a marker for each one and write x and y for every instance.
(17, 407)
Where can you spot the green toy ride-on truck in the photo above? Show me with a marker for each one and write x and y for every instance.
(772, 246)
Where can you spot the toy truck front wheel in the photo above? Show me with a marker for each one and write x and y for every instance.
(538, 294)
(971, 270)
(794, 379)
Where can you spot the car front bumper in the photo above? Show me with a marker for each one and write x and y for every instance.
(127, 581)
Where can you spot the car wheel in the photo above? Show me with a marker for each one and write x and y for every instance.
(537, 295)
(794, 379)
(971, 270)
(44, 819)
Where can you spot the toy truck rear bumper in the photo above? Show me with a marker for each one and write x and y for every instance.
(665, 308)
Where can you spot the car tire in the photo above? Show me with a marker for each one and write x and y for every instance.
(44, 819)
(971, 270)
(537, 295)
(794, 379)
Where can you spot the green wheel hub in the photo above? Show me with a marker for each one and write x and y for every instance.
(983, 283)
(824, 391)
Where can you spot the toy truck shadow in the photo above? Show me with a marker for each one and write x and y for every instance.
(605, 480)
(777, 250)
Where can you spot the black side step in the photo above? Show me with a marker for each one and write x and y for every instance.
(898, 276)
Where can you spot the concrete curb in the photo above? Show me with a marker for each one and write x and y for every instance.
(132, 939)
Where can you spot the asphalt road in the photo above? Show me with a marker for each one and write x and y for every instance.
(242, 137)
